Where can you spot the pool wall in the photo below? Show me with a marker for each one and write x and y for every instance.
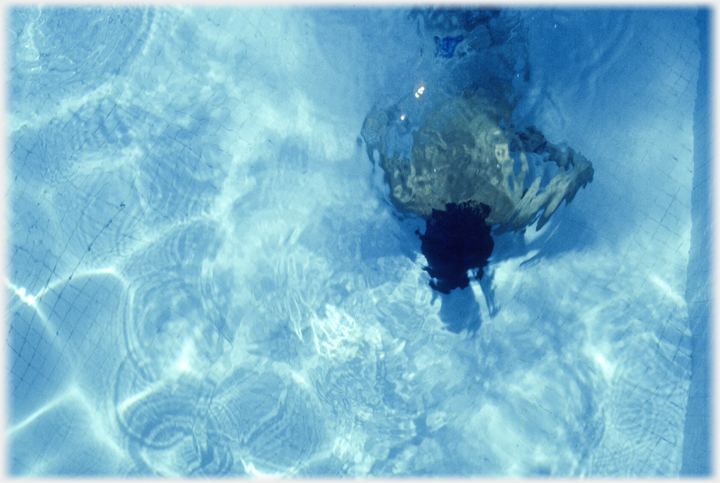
(697, 449)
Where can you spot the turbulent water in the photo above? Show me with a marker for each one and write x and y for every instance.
(207, 277)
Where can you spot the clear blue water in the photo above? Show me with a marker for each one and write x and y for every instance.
(206, 276)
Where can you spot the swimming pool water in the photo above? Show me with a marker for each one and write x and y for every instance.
(206, 276)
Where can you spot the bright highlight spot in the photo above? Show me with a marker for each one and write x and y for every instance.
(22, 293)
(188, 352)
(607, 368)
